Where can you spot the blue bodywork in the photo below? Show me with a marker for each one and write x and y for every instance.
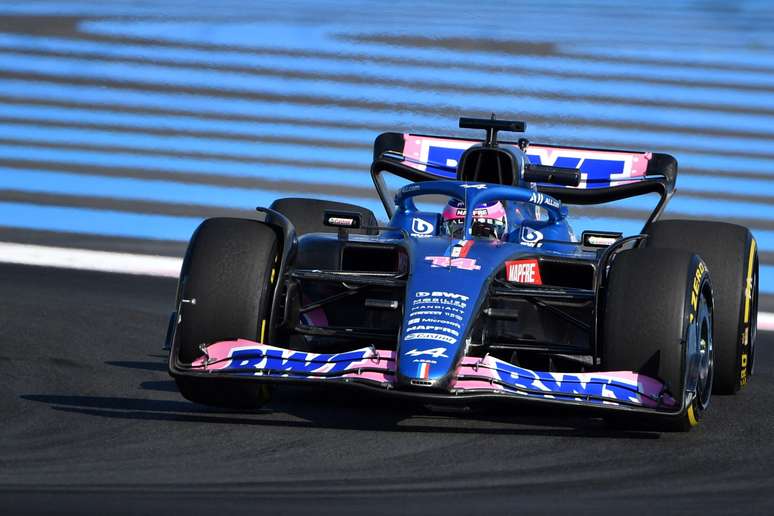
(449, 275)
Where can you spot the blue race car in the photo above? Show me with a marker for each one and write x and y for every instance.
(477, 288)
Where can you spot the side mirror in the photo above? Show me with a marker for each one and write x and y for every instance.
(342, 219)
(600, 239)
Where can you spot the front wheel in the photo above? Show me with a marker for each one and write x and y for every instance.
(225, 293)
(658, 321)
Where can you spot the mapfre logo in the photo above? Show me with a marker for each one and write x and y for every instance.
(523, 271)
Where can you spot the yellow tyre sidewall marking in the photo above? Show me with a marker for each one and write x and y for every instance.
(748, 294)
(691, 416)
(271, 283)
(747, 284)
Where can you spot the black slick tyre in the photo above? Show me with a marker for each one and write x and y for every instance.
(225, 293)
(730, 253)
(307, 215)
(657, 321)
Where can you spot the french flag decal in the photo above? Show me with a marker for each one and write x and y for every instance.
(461, 248)
(424, 370)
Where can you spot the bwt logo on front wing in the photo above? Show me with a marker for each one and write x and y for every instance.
(523, 271)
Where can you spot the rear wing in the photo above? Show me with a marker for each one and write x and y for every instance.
(606, 175)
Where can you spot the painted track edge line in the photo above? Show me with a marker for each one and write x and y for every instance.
(765, 321)
(86, 259)
(140, 264)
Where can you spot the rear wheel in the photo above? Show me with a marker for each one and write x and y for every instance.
(658, 321)
(730, 253)
(226, 288)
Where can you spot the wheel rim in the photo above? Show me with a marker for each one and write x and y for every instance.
(705, 351)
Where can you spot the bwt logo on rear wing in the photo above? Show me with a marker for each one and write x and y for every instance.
(599, 168)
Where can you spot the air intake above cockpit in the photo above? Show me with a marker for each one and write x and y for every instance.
(486, 162)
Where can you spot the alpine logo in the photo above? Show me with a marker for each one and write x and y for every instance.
(477, 187)
(433, 352)
(421, 228)
(523, 271)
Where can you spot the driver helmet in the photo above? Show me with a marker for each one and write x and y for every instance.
(489, 220)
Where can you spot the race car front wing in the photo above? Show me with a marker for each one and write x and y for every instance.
(485, 376)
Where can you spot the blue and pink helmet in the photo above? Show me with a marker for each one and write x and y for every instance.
(489, 219)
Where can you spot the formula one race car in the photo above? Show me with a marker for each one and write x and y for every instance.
(491, 295)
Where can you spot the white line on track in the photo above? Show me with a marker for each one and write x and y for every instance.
(140, 264)
(765, 321)
(85, 259)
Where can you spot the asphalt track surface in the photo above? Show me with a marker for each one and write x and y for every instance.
(92, 424)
